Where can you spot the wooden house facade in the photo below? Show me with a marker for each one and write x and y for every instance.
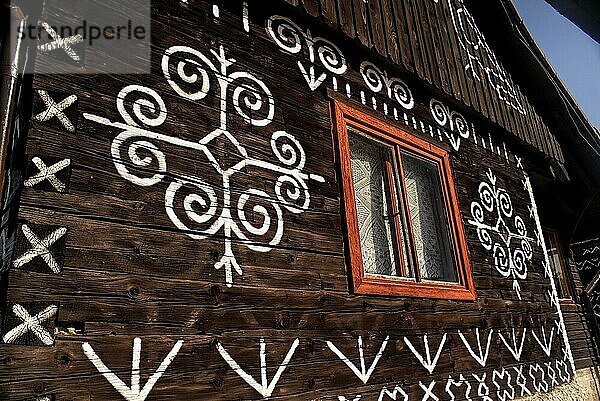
(305, 199)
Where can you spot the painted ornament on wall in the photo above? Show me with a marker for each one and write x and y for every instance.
(291, 39)
(502, 231)
(254, 217)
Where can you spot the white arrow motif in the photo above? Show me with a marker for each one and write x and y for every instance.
(363, 374)
(547, 344)
(133, 393)
(482, 356)
(427, 364)
(311, 79)
(264, 388)
(514, 349)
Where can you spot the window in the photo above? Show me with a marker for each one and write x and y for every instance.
(557, 263)
(404, 230)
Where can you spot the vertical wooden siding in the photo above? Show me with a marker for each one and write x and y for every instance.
(420, 36)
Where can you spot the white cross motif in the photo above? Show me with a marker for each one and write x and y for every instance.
(31, 323)
(60, 43)
(55, 109)
(48, 173)
(428, 391)
(40, 247)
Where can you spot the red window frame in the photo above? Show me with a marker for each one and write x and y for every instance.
(345, 116)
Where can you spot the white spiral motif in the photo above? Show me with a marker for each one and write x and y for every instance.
(459, 124)
(401, 93)
(439, 112)
(142, 154)
(289, 37)
(252, 100)
(191, 70)
(331, 56)
(505, 204)
(150, 112)
(372, 76)
(487, 196)
(259, 223)
(288, 150)
(293, 193)
(286, 34)
(200, 207)
(396, 89)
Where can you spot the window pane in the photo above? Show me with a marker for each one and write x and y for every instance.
(373, 207)
(552, 243)
(430, 226)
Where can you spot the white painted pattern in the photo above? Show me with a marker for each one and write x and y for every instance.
(54, 109)
(428, 391)
(363, 374)
(290, 38)
(427, 362)
(379, 81)
(357, 397)
(394, 394)
(545, 342)
(31, 324)
(521, 381)
(458, 383)
(264, 388)
(454, 121)
(549, 272)
(482, 353)
(552, 374)
(245, 20)
(510, 244)
(480, 57)
(504, 392)
(59, 42)
(483, 390)
(537, 374)
(48, 173)
(253, 102)
(133, 392)
(515, 350)
(40, 247)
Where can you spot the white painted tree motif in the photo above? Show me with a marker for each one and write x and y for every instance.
(481, 355)
(544, 341)
(427, 362)
(264, 388)
(133, 392)
(512, 345)
(505, 234)
(363, 373)
(189, 73)
(290, 37)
